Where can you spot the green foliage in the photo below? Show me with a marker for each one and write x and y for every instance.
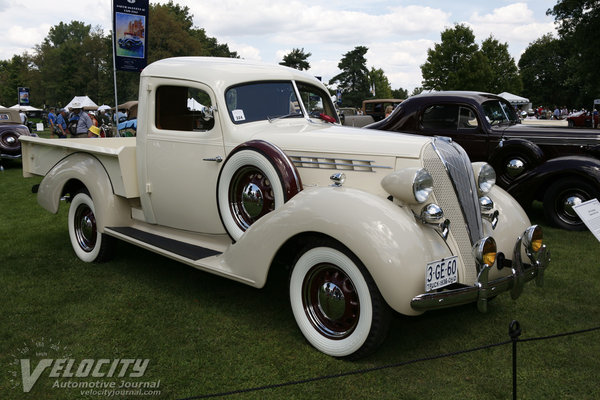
(76, 59)
(399, 93)
(504, 72)
(354, 78)
(578, 26)
(544, 73)
(381, 84)
(457, 63)
(296, 59)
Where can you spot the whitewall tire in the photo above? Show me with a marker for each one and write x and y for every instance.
(89, 244)
(249, 187)
(336, 303)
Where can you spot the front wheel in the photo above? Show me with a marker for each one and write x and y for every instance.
(336, 303)
(89, 244)
(561, 197)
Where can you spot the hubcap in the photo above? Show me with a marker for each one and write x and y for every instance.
(515, 167)
(252, 200)
(85, 228)
(571, 202)
(330, 301)
(250, 196)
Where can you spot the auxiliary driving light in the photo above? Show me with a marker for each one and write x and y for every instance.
(485, 251)
(533, 239)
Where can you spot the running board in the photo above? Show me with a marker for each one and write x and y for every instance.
(182, 249)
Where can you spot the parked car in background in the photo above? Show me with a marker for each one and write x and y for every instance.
(11, 129)
(376, 107)
(582, 119)
(555, 165)
(350, 116)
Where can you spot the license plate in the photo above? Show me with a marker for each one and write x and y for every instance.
(441, 273)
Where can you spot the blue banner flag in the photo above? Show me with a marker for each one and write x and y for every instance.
(130, 33)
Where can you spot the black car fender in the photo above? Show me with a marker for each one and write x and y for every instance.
(532, 184)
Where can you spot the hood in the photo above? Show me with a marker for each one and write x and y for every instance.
(543, 134)
(298, 136)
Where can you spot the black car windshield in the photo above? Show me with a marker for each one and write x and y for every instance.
(272, 101)
(499, 112)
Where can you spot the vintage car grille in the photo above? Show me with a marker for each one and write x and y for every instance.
(456, 193)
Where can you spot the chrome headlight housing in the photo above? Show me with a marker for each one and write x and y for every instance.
(409, 185)
(485, 175)
(422, 185)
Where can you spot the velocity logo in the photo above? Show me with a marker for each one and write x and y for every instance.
(67, 368)
(45, 358)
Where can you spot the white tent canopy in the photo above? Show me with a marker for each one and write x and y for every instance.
(82, 102)
(514, 99)
(25, 108)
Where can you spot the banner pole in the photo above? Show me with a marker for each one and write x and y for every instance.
(115, 69)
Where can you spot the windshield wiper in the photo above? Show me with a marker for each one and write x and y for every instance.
(290, 115)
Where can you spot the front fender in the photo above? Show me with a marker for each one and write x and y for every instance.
(532, 184)
(82, 169)
(393, 246)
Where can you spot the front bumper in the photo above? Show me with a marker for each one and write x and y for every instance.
(484, 289)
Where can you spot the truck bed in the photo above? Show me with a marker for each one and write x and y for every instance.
(118, 155)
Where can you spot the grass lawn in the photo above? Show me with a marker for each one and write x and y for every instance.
(203, 334)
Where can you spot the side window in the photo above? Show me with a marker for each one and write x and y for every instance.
(441, 116)
(182, 108)
(467, 119)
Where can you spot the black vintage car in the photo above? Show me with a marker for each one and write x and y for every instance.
(11, 129)
(558, 166)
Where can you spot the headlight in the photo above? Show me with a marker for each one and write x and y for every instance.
(409, 185)
(486, 176)
(422, 185)
(485, 251)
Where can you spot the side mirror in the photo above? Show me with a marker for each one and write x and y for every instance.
(208, 113)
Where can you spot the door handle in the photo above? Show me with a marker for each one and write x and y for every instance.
(217, 159)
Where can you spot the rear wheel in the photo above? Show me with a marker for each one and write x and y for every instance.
(560, 198)
(89, 244)
(336, 303)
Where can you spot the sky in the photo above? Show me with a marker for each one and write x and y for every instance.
(397, 33)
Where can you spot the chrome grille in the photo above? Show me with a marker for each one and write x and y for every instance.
(456, 193)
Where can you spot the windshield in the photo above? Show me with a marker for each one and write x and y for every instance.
(276, 100)
(497, 112)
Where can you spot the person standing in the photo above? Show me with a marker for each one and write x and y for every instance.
(83, 124)
(52, 121)
(61, 124)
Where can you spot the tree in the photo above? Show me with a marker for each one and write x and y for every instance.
(543, 69)
(380, 83)
(578, 25)
(457, 63)
(354, 78)
(399, 93)
(447, 61)
(296, 59)
(504, 72)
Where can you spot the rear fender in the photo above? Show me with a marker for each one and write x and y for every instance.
(82, 170)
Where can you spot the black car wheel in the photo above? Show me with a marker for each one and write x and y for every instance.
(560, 198)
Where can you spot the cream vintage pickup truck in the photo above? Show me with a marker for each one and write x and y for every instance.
(239, 166)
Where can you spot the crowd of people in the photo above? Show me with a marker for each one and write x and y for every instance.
(76, 122)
